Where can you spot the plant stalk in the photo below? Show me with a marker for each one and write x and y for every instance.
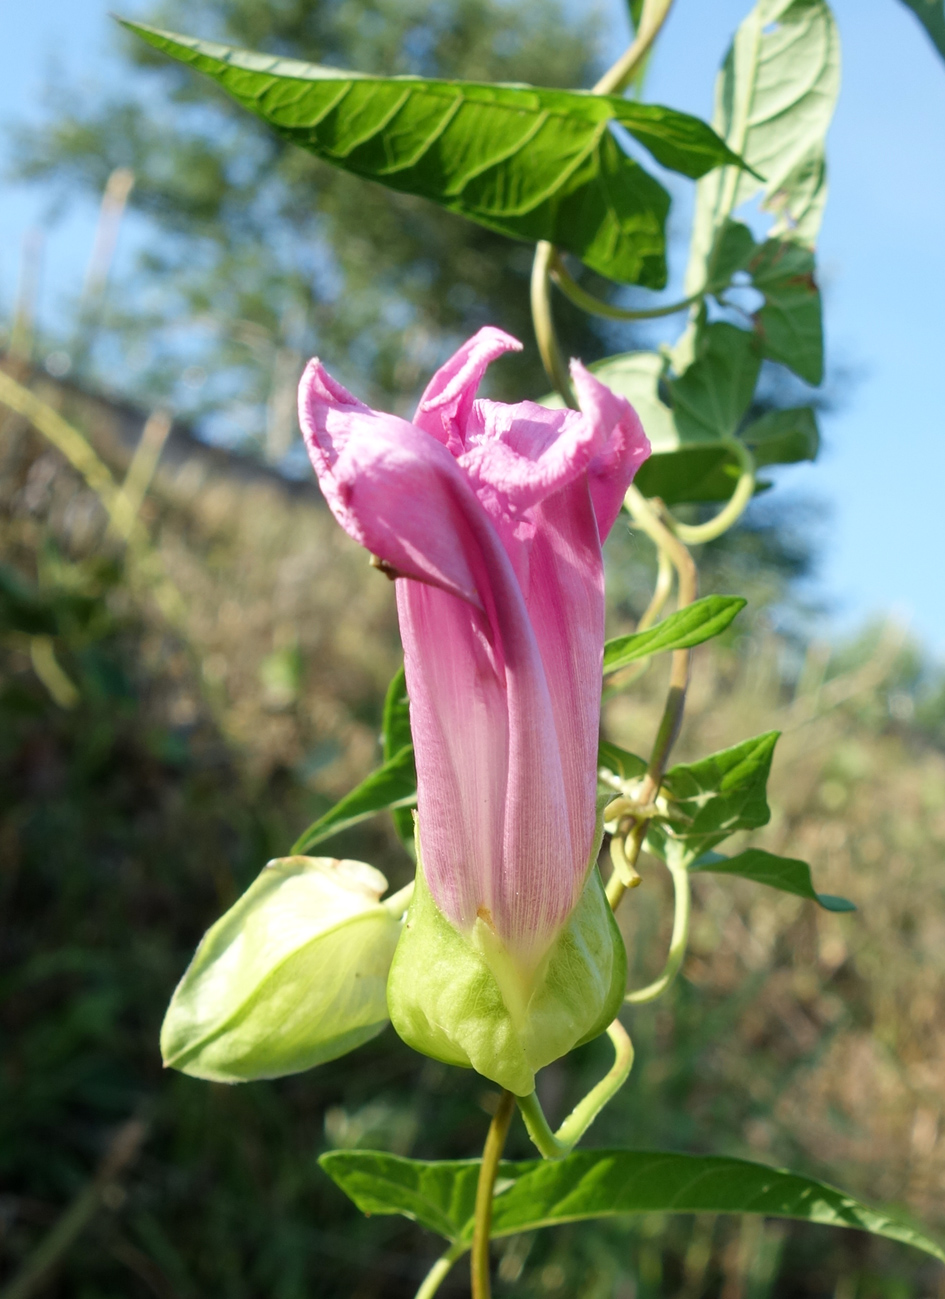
(555, 1145)
(485, 1191)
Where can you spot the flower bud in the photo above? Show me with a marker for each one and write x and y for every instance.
(294, 974)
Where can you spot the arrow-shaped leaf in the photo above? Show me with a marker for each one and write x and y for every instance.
(527, 161)
(784, 873)
(696, 623)
(599, 1184)
(714, 797)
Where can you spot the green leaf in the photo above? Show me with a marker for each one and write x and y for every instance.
(677, 471)
(710, 399)
(529, 162)
(773, 103)
(625, 765)
(733, 250)
(693, 474)
(790, 324)
(294, 974)
(396, 735)
(22, 608)
(599, 1184)
(712, 798)
(784, 873)
(783, 437)
(931, 14)
(392, 785)
(696, 623)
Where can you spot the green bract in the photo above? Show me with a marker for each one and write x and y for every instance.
(294, 974)
(462, 999)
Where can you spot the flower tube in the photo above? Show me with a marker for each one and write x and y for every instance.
(491, 518)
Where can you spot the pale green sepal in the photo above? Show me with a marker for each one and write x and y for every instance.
(294, 974)
(463, 999)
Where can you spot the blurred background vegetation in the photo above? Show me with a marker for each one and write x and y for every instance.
(174, 711)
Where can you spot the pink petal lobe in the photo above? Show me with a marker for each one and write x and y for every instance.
(447, 400)
(624, 448)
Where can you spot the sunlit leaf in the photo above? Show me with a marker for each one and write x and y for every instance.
(529, 162)
(784, 873)
(599, 1184)
(392, 785)
(696, 623)
(712, 798)
(774, 100)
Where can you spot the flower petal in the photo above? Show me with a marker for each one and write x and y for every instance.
(448, 397)
(622, 449)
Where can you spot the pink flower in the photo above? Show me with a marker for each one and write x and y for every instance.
(491, 517)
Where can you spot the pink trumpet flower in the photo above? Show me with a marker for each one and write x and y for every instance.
(491, 519)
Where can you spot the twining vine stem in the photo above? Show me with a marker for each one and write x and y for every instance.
(485, 1192)
(554, 1145)
(646, 515)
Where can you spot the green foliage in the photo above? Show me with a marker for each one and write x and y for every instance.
(711, 397)
(711, 799)
(393, 784)
(627, 766)
(931, 14)
(789, 323)
(293, 975)
(774, 100)
(696, 623)
(521, 160)
(271, 255)
(784, 873)
(599, 1183)
(690, 461)
(395, 735)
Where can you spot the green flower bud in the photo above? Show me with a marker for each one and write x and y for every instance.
(294, 974)
(465, 1000)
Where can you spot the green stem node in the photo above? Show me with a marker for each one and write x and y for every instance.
(555, 1145)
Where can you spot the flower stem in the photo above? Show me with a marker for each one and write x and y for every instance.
(543, 321)
(646, 515)
(554, 1145)
(439, 1271)
(697, 533)
(614, 80)
(620, 74)
(485, 1191)
(677, 944)
(597, 307)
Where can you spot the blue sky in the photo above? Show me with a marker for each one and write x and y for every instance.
(882, 259)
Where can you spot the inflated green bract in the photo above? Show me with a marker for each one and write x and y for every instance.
(527, 161)
(294, 974)
(462, 999)
(599, 1184)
